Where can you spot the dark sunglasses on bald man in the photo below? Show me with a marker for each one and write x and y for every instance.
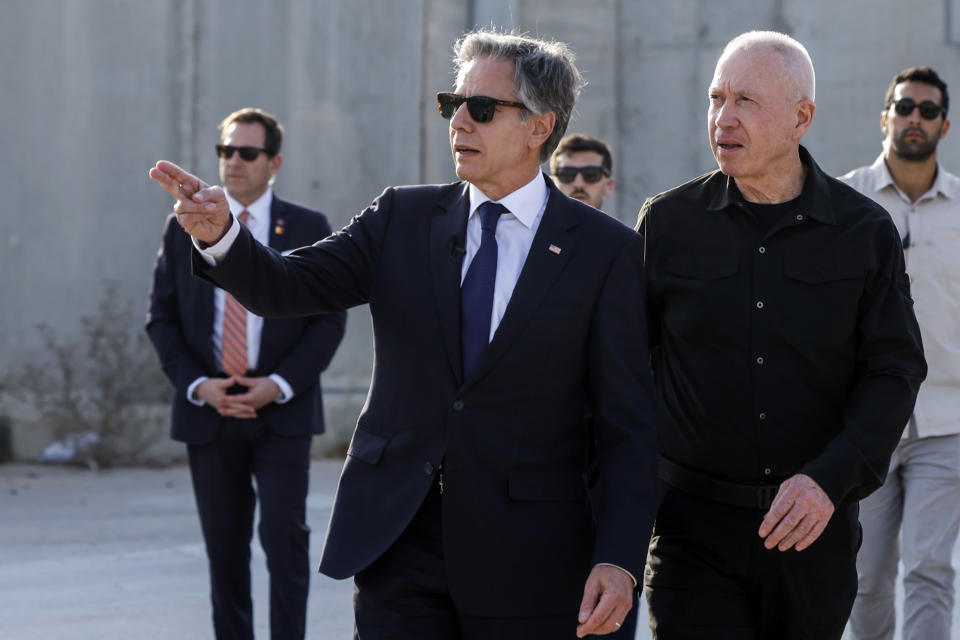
(929, 110)
(481, 108)
(591, 174)
(249, 154)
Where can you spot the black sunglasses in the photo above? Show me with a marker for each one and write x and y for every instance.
(929, 110)
(249, 154)
(591, 174)
(481, 108)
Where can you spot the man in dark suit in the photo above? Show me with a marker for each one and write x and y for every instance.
(247, 390)
(503, 312)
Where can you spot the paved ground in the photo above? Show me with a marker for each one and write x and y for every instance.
(118, 554)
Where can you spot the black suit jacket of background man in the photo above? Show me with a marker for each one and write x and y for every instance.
(180, 324)
(518, 536)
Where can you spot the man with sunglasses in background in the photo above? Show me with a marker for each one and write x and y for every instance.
(248, 397)
(581, 166)
(915, 515)
(502, 313)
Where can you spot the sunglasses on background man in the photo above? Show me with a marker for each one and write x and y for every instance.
(929, 110)
(248, 154)
(591, 174)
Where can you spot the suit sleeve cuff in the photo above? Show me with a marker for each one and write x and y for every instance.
(286, 391)
(215, 252)
(607, 564)
(193, 387)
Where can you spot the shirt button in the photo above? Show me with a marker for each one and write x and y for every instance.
(762, 249)
(759, 359)
(760, 304)
(763, 415)
(428, 469)
(799, 217)
(458, 405)
(767, 471)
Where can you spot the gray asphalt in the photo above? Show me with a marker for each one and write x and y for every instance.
(118, 554)
(94, 555)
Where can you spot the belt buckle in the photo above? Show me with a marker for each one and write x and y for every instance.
(765, 496)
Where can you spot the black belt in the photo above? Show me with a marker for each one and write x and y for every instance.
(750, 496)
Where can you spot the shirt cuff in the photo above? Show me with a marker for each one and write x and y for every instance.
(607, 564)
(215, 252)
(286, 391)
(193, 387)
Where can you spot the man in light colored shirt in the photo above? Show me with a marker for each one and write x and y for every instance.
(915, 516)
(248, 397)
(502, 313)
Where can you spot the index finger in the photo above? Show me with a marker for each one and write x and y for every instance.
(175, 180)
(604, 609)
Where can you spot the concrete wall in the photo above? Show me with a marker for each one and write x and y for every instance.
(94, 91)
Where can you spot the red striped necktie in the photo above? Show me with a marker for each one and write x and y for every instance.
(233, 357)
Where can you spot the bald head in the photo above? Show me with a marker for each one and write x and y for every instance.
(799, 81)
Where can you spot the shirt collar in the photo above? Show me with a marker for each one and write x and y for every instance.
(943, 185)
(259, 209)
(524, 204)
(814, 199)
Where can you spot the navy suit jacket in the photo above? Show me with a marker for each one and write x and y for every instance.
(180, 325)
(518, 535)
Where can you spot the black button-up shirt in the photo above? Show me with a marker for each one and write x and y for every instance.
(784, 349)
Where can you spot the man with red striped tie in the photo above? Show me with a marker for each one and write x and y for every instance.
(248, 398)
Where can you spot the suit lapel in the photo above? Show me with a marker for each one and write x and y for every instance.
(553, 245)
(447, 239)
(279, 231)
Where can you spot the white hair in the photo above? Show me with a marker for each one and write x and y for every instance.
(797, 65)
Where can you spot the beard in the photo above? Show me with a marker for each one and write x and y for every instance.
(583, 196)
(912, 150)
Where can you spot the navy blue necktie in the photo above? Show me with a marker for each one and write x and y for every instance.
(476, 292)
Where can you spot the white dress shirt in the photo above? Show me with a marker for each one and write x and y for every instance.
(258, 223)
(930, 229)
(514, 234)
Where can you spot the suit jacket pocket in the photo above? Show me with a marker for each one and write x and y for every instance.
(367, 446)
(547, 485)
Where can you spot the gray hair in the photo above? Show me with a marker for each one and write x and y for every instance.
(797, 65)
(546, 77)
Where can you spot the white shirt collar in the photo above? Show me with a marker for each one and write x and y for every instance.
(942, 184)
(259, 209)
(524, 203)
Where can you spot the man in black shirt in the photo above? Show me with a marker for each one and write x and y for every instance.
(787, 359)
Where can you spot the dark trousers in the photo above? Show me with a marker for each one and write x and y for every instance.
(404, 595)
(708, 576)
(222, 473)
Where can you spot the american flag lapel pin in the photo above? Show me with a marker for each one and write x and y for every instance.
(554, 249)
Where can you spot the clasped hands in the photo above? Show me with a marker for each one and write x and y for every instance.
(260, 392)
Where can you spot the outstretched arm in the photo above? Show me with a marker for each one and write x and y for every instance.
(201, 210)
